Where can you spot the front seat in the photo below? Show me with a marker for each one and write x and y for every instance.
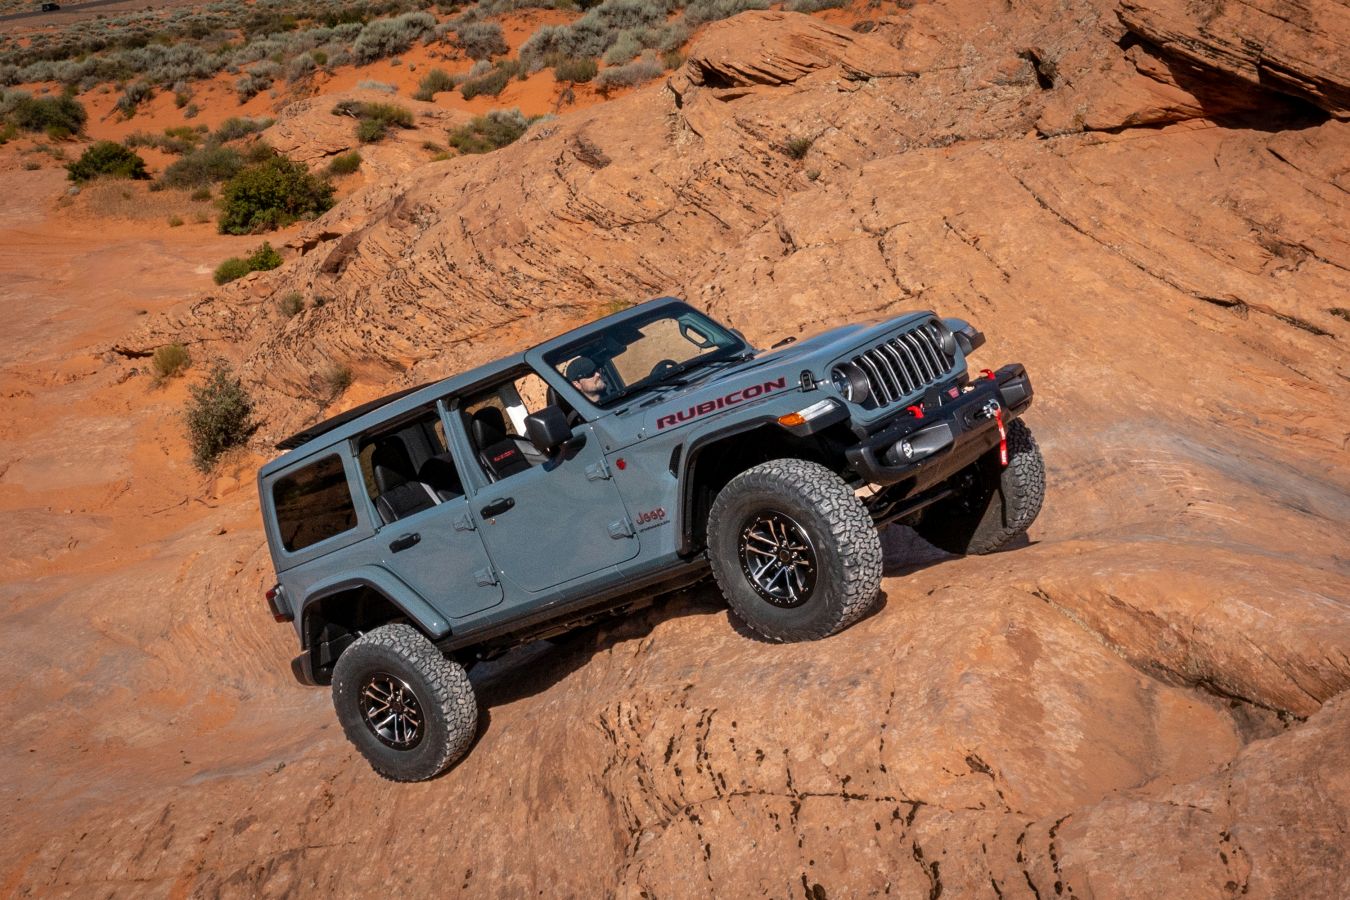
(500, 453)
(400, 493)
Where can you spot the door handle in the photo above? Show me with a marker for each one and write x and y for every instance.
(404, 542)
(497, 507)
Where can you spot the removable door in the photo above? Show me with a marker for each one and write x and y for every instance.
(550, 524)
(439, 553)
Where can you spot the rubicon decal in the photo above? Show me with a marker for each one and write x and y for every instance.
(737, 396)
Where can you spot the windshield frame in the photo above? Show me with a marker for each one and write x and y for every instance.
(590, 340)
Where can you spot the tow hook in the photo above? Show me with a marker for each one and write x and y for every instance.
(990, 410)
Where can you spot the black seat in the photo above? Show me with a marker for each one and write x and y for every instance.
(439, 473)
(500, 453)
(400, 493)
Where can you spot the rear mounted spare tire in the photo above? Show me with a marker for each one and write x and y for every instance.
(409, 710)
(794, 551)
(992, 504)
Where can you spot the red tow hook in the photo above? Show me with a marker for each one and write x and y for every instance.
(987, 373)
(916, 410)
(1002, 437)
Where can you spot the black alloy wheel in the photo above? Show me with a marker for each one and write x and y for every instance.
(778, 559)
(391, 711)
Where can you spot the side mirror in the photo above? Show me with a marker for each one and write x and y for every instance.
(548, 429)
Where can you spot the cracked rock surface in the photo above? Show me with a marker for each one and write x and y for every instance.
(1147, 699)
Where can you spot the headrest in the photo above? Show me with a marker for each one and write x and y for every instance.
(391, 464)
(488, 426)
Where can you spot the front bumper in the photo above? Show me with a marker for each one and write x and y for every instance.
(951, 434)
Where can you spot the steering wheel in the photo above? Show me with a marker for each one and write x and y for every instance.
(663, 368)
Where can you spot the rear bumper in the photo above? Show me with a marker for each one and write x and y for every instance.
(947, 438)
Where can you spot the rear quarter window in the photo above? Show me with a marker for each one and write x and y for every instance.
(313, 504)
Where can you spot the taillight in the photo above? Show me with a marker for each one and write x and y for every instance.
(273, 593)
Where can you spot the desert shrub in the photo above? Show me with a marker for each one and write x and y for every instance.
(626, 46)
(672, 59)
(629, 74)
(201, 193)
(203, 167)
(258, 79)
(263, 259)
(493, 80)
(231, 269)
(434, 82)
(797, 147)
(236, 127)
(107, 158)
(490, 132)
(170, 360)
(481, 40)
(271, 194)
(133, 96)
(320, 58)
(44, 113)
(386, 37)
(219, 416)
(191, 111)
(334, 380)
(577, 71)
(291, 304)
(596, 31)
(374, 119)
(345, 163)
(370, 84)
(701, 11)
(810, 6)
(300, 66)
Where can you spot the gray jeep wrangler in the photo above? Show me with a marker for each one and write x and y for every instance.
(442, 525)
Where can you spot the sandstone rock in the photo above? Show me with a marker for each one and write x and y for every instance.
(1301, 48)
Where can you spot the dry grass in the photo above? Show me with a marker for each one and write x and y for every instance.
(112, 198)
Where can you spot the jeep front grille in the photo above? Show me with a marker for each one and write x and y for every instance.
(906, 365)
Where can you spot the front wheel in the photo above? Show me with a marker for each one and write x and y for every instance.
(794, 551)
(991, 504)
(409, 710)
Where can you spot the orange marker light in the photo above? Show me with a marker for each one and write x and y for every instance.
(791, 420)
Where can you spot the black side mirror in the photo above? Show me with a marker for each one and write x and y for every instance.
(548, 429)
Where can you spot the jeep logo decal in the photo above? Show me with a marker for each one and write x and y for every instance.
(737, 396)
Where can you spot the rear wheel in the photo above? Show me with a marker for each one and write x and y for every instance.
(409, 710)
(794, 551)
(992, 504)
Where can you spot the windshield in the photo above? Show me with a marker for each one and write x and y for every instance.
(637, 354)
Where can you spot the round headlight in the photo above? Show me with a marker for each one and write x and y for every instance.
(851, 382)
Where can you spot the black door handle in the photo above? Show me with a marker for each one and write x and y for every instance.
(404, 542)
(497, 507)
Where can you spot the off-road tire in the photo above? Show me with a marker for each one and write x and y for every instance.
(840, 533)
(449, 712)
(995, 504)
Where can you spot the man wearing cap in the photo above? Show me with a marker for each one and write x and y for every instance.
(586, 377)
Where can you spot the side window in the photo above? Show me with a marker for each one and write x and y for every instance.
(313, 504)
(408, 468)
(495, 420)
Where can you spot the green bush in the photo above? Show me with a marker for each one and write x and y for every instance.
(272, 194)
(345, 163)
(219, 416)
(203, 167)
(230, 269)
(335, 380)
(489, 85)
(170, 360)
(490, 132)
(434, 82)
(107, 158)
(629, 74)
(263, 259)
(42, 113)
(236, 127)
(577, 71)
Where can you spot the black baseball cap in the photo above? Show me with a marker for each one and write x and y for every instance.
(581, 367)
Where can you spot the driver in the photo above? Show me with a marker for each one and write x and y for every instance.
(587, 377)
